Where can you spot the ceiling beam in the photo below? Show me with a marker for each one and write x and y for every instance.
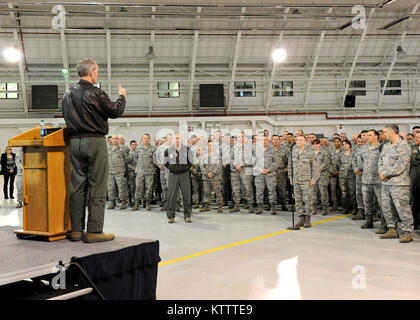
(151, 66)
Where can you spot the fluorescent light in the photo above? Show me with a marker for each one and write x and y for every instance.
(64, 71)
(279, 55)
(11, 54)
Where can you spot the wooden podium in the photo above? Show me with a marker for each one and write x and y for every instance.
(46, 183)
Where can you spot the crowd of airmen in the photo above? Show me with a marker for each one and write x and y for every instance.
(373, 176)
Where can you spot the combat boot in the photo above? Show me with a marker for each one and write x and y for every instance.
(196, 206)
(232, 205)
(251, 209)
(112, 205)
(273, 209)
(205, 208)
(381, 230)
(369, 222)
(334, 206)
(307, 221)
(259, 210)
(235, 209)
(391, 234)
(19, 205)
(98, 237)
(325, 211)
(148, 206)
(246, 205)
(355, 210)
(301, 222)
(407, 237)
(360, 215)
(220, 208)
(123, 205)
(136, 206)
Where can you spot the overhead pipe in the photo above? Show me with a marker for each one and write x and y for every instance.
(327, 117)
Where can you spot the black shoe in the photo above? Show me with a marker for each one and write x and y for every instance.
(12, 197)
(6, 197)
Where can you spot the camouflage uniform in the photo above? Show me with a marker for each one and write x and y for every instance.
(196, 181)
(394, 163)
(356, 159)
(347, 180)
(145, 172)
(242, 155)
(265, 159)
(210, 163)
(305, 170)
(117, 171)
(371, 184)
(19, 179)
(334, 183)
(324, 159)
(131, 176)
(281, 155)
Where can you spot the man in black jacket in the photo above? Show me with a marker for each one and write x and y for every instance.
(178, 159)
(86, 110)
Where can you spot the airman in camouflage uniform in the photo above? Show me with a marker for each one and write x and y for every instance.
(304, 171)
(128, 158)
(211, 173)
(394, 170)
(335, 151)
(19, 179)
(131, 174)
(226, 172)
(371, 184)
(347, 178)
(196, 181)
(241, 173)
(265, 172)
(358, 151)
(323, 158)
(281, 179)
(117, 171)
(145, 172)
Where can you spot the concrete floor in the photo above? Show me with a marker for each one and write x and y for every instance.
(334, 259)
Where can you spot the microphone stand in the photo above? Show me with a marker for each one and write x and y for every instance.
(293, 193)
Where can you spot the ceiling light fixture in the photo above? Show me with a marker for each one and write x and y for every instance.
(279, 55)
(12, 55)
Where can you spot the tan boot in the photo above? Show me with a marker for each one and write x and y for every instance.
(220, 208)
(19, 205)
(301, 222)
(408, 237)
(77, 236)
(391, 234)
(205, 208)
(123, 205)
(112, 205)
(98, 237)
(307, 222)
(259, 210)
(235, 209)
(136, 205)
(325, 211)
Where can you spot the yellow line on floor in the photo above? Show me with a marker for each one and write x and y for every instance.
(242, 242)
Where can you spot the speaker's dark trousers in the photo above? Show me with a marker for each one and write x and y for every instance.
(88, 183)
(9, 178)
(175, 182)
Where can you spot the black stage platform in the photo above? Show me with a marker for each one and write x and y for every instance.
(125, 268)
